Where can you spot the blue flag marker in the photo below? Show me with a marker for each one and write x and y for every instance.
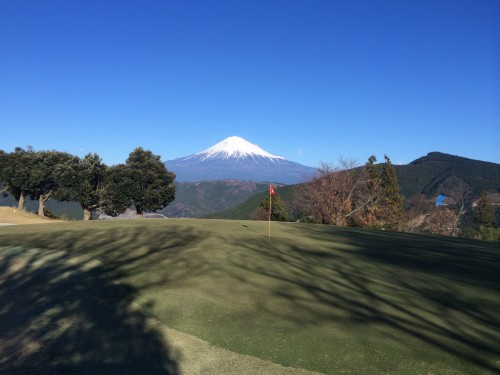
(439, 201)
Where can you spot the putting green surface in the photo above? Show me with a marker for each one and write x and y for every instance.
(315, 297)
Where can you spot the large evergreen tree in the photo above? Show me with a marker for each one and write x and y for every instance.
(142, 182)
(16, 169)
(278, 208)
(50, 169)
(38, 175)
(484, 211)
(485, 219)
(391, 200)
(85, 185)
(369, 195)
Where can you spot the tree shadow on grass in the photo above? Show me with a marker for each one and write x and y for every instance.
(440, 292)
(125, 248)
(61, 314)
(469, 261)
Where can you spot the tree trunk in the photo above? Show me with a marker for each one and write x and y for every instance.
(41, 202)
(22, 199)
(87, 215)
(139, 213)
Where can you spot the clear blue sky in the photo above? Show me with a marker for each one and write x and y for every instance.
(307, 80)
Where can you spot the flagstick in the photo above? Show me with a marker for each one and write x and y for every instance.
(270, 208)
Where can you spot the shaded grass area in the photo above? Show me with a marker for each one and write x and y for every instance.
(317, 297)
(61, 314)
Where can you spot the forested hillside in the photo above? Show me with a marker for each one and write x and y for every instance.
(245, 209)
(439, 173)
(202, 198)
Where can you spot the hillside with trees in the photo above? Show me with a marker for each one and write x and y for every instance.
(246, 210)
(380, 196)
(205, 197)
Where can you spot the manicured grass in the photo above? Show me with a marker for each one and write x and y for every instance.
(317, 297)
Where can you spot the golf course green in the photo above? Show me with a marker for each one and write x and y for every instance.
(315, 297)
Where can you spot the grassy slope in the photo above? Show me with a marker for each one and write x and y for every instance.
(64, 210)
(10, 215)
(322, 298)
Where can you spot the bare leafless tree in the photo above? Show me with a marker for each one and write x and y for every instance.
(457, 194)
(463, 195)
(415, 216)
(442, 221)
(336, 195)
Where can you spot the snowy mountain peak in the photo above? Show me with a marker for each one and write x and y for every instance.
(234, 147)
(235, 158)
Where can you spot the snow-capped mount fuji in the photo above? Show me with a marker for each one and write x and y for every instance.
(234, 147)
(236, 158)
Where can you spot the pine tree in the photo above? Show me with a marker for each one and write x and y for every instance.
(484, 212)
(279, 211)
(391, 200)
(373, 170)
(371, 195)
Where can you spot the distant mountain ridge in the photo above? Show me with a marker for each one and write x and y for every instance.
(440, 173)
(236, 158)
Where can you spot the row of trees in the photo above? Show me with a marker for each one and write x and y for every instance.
(142, 182)
(353, 196)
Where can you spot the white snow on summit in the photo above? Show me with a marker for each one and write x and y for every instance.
(234, 147)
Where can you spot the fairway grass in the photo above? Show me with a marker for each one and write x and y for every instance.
(315, 297)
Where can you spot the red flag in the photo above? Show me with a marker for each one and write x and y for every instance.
(271, 190)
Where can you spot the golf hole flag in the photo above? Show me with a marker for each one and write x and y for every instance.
(271, 190)
(271, 193)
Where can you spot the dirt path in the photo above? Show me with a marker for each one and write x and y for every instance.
(60, 313)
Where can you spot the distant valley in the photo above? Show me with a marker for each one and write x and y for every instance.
(202, 198)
